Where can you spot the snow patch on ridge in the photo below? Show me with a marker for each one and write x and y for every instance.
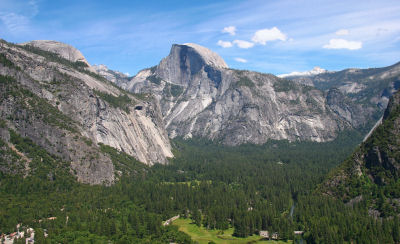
(315, 71)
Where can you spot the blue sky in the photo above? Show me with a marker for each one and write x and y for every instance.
(262, 35)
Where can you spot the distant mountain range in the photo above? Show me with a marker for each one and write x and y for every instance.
(200, 96)
(315, 71)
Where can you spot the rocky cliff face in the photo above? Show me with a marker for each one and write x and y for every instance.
(200, 96)
(116, 77)
(372, 87)
(63, 50)
(373, 171)
(75, 109)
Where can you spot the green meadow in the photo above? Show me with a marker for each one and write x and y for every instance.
(204, 236)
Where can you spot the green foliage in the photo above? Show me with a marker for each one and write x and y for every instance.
(6, 62)
(123, 161)
(176, 90)
(173, 90)
(238, 189)
(122, 102)
(81, 64)
(3, 123)
(87, 141)
(244, 81)
(78, 65)
(379, 181)
(42, 163)
(50, 56)
(32, 105)
(142, 96)
(284, 85)
(154, 79)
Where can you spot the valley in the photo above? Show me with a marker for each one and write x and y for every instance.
(101, 157)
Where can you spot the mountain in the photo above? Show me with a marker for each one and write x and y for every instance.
(315, 71)
(372, 173)
(65, 51)
(116, 77)
(372, 87)
(50, 97)
(201, 97)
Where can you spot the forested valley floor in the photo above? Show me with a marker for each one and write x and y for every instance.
(248, 188)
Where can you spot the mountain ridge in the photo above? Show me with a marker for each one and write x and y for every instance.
(371, 173)
(100, 112)
(215, 103)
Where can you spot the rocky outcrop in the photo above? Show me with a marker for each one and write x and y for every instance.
(98, 112)
(373, 171)
(372, 87)
(63, 50)
(200, 96)
(116, 77)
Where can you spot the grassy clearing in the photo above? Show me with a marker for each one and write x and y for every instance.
(203, 236)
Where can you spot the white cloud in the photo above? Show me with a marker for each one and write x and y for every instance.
(229, 29)
(14, 22)
(264, 35)
(342, 32)
(224, 44)
(343, 44)
(243, 44)
(34, 7)
(241, 60)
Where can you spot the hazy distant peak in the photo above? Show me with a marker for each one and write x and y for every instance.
(315, 71)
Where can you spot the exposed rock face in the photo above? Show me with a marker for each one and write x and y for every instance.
(200, 96)
(64, 50)
(373, 171)
(98, 111)
(369, 86)
(118, 78)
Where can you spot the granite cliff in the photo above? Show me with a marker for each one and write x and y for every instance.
(372, 87)
(200, 96)
(372, 173)
(51, 96)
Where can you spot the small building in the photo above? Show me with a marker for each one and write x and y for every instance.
(264, 234)
(298, 232)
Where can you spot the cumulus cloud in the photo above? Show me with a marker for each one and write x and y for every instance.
(342, 32)
(343, 44)
(229, 29)
(224, 44)
(241, 60)
(265, 35)
(243, 44)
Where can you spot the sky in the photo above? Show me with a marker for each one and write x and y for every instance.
(268, 36)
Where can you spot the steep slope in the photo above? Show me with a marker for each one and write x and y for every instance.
(372, 173)
(200, 96)
(369, 86)
(63, 50)
(67, 110)
(116, 77)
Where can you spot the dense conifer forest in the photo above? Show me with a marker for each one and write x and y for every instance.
(250, 188)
